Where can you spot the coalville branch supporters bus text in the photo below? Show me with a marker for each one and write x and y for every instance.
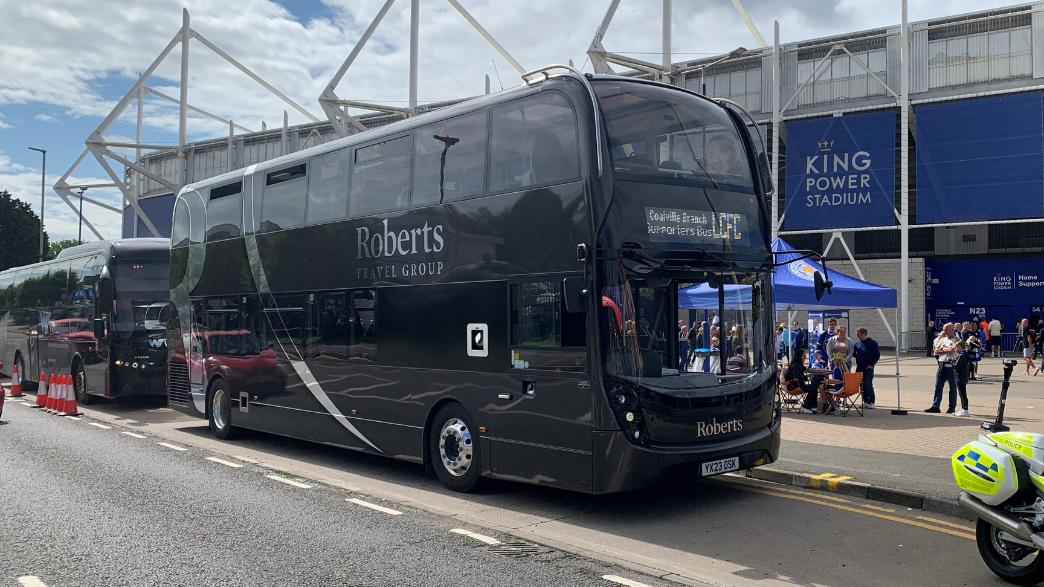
(478, 290)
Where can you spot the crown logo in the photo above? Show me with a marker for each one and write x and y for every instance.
(826, 144)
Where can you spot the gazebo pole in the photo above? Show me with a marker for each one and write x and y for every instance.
(898, 411)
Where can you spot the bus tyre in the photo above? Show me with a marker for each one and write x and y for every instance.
(220, 411)
(454, 448)
(80, 385)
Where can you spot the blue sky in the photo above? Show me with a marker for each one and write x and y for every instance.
(62, 66)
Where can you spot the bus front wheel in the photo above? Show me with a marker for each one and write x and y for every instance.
(455, 454)
(80, 385)
(220, 411)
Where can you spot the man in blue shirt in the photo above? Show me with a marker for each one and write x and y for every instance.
(826, 335)
(867, 354)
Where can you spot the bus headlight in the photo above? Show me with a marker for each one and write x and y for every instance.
(119, 362)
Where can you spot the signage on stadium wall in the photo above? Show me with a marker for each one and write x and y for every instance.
(965, 289)
(840, 172)
(980, 159)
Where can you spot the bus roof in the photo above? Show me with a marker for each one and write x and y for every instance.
(104, 247)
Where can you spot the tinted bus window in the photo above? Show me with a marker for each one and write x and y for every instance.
(281, 206)
(450, 160)
(179, 233)
(331, 318)
(286, 325)
(661, 134)
(534, 142)
(381, 177)
(363, 324)
(141, 283)
(225, 213)
(328, 188)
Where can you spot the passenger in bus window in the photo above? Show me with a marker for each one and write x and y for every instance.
(721, 155)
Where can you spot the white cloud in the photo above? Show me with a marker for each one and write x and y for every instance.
(3, 123)
(42, 117)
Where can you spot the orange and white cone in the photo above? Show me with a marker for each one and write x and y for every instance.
(63, 396)
(70, 401)
(41, 392)
(16, 381)
(52, 394)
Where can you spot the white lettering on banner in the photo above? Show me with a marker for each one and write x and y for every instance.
(1002, 282)
(825, 187)
(714, 427)
(1030, 281)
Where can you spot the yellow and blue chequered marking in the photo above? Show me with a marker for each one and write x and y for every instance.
(983, 463)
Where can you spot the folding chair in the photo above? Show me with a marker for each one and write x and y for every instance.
(850, 396)
(789, 399)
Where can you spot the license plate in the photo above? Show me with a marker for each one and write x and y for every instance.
(720, 466)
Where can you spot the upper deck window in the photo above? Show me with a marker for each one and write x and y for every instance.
(450, 161)
(381, 177)
(328, 187)
(283, 204)
(225, 212)
(534, 142)
(664, 135)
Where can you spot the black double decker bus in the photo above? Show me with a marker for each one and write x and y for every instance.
(97, 312)
(492, 289)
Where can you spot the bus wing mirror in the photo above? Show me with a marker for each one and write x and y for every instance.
(823, 285)
(104, 295)
(99, 328)
(574, 293)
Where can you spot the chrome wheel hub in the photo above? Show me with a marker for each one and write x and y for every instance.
(456, 447)
(219, 409)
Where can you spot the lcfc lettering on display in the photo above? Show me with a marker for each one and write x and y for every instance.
(388, 243)
(837, 179)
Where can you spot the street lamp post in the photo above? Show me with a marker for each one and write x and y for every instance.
(79, 231)
(43, 176)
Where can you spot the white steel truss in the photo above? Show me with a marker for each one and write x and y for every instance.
(99, 147)
(336, 108)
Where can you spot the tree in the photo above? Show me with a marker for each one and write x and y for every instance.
(56, 247)
(19, 232)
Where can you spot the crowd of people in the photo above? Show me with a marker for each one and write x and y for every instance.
(834, 353)
(709, 338)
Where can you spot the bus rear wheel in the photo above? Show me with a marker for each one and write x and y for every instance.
(80, 385)
(455, 454)
(219, 415)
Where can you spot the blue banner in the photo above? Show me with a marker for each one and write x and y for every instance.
(978, 289)
(159, 209)
(980, 159)
(841, 172)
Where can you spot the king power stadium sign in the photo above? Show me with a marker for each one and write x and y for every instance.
(841, 172)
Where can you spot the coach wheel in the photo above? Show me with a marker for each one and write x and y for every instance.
(80, 384)
(220, 412)
(455, 452)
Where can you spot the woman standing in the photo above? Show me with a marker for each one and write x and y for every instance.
(839, 350)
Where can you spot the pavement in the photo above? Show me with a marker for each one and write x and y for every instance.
(902, 459)
(138, 494)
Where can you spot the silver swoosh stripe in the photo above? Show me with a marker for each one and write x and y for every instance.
(317, 390)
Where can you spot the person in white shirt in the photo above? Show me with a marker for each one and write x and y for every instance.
(995, 337)
(945, 350)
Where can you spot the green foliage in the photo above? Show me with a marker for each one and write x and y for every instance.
(56, 247)
(19, 232)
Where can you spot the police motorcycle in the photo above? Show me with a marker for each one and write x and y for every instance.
(1001, 477)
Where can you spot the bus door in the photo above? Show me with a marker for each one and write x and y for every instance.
(197, 373)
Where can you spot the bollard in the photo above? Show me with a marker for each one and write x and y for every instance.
(998, 424)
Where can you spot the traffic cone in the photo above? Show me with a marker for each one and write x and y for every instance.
(70, 402)
(16, 382)
(41, 391)
(52, 393)
(63, 397)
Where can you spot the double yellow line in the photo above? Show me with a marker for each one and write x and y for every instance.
(840, 503)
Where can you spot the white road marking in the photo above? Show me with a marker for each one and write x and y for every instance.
(161, 410)
(172, 446)
(31, 581)
(28, 404)
(246, 459)
(297, 484)
(226, 463)
(77, 418)
(102, 426)
(623, 581)
(480, 537)
(133, 434)
(374, 506)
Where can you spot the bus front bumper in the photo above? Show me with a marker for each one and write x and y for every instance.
(623, 466)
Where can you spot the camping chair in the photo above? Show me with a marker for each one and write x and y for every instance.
(789, 399)
(850, 396)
